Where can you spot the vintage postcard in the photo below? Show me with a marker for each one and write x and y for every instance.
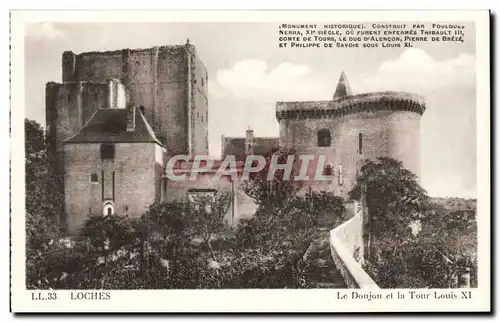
(250, 161)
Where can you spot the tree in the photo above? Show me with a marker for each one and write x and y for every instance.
(105, 236)
(36, 169)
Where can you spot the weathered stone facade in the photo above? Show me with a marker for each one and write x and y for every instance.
(352, 128)
(170, 82)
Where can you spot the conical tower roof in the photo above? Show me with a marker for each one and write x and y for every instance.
(343, 87)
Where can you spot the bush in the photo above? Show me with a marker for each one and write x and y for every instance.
(399, 257)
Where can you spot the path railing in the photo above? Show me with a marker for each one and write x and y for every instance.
(347, 248)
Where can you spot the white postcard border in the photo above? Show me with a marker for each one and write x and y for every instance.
(247, 300)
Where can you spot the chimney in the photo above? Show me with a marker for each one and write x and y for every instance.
(249, 142)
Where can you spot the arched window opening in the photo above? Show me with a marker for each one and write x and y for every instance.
(324, 138)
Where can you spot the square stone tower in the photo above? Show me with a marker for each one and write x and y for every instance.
(170, 83)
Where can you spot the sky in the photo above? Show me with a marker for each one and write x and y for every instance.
(248, 73)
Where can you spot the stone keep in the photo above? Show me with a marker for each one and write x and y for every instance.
(170, 82)
(351, 128)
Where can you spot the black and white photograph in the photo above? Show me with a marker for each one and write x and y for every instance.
(336, 155)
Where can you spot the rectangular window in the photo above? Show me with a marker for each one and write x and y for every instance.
(196, 196)
(360, 143)
(327, 171)
(94, 178)
(107, 151)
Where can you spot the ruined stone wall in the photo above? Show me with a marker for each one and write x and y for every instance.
(135, 176)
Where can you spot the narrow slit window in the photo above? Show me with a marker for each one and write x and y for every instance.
(360, 143)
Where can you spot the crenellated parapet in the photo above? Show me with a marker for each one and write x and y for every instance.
(352, 104)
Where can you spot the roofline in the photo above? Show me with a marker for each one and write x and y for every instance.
(393, 94)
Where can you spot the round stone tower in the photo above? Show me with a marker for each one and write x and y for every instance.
(351, 128)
